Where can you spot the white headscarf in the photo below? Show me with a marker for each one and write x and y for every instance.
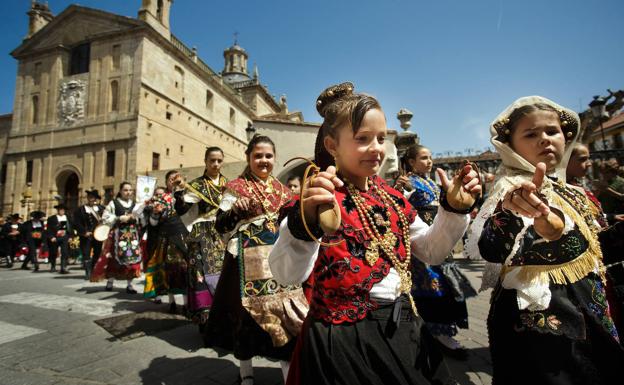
(513, 170)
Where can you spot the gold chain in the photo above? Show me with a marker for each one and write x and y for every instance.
(388, 240)
(263, 199)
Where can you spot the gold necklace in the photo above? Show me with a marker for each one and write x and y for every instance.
(259, 195)
(386, 242)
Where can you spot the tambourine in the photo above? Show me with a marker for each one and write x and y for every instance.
(101, 232)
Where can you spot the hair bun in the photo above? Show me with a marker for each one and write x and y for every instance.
(331, 94)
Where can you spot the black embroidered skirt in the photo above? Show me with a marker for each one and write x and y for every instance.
(521, 356)
(373, 351)
(230, 328)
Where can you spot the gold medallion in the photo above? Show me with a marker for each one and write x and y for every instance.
(372, 253)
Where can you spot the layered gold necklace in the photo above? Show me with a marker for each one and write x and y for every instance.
(385, 243)
(260, 193)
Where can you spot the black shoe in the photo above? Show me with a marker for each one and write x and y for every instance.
(63, 271)
(173, 308)
(109, 286)
(25, 267)
(36, 270)
(157, 301)
(53, 269)
(10, 265)
(130, 290)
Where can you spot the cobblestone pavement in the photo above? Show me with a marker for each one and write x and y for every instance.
(48, 336)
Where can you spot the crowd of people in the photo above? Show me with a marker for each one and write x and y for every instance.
(347, 278)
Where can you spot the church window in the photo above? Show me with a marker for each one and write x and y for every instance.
(181, 149)
(37, 74)
(179, 79)
(80, 56)
(114, 95)
(116, 56)
(29, 171)
(155, 161)
(209, 98)
(167, 152)
(232, 117)
(159, 10)
(35, 109)
(110, 163)
(168, 115)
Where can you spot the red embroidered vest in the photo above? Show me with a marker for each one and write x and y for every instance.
(342, 277)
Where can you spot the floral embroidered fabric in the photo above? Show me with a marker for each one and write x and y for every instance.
(342, 277)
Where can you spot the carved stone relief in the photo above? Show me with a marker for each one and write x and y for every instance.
(72, 101)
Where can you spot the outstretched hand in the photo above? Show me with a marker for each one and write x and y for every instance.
(463, 189)
(524, 199)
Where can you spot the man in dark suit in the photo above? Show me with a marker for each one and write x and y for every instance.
(12, 237)
(86, 218)
(58, 231)
(33, 235)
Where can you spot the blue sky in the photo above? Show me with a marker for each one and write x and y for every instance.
(454, 63)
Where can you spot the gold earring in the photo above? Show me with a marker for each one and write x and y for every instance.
(335, 162)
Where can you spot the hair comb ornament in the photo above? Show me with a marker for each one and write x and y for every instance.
(333, 93)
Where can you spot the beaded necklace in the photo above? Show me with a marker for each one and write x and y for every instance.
(386, 242)
(216, 189)
(580, 204)
(260, 194)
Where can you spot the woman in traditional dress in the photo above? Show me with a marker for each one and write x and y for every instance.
(363, 325)
(253, 315)
(197, 203)
(440, 291)
(121, 252)
(166, 268)
(549, 321)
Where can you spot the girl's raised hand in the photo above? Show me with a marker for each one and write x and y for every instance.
(463, 190)
(242, 205)
(319, 190)
(525, 200)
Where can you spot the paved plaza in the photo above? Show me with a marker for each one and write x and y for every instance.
(52, 332)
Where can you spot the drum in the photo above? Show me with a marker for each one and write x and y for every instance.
(101, 232)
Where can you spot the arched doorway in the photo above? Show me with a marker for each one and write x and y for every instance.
(68, 188)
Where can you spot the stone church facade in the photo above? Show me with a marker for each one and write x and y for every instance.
(101, 98)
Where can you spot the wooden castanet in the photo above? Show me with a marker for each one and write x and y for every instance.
(329, 218)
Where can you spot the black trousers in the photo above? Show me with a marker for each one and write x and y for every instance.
(33, 245)
(88, 244)
(14, 246)
(63, 243)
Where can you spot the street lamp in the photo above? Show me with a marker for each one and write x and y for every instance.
(598, 109)
(27, 198)
(250, 130)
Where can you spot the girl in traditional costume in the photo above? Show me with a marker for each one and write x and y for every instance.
(363, 325)
(166, 268)
(197, 203)
(253, 315)
(549, 322)
(121, 253)
(440, 291)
